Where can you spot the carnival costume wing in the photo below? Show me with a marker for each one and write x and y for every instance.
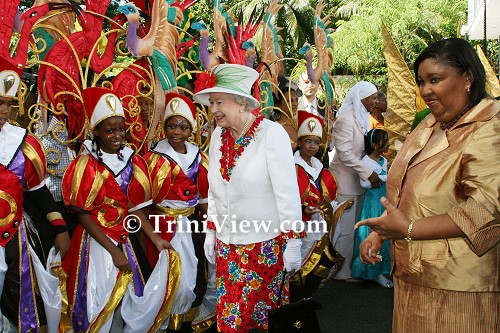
(8, 15)
(158, 44)
(61, 76)
(403, 97)
(127, 86)
(219, 55)
(53, 27)
(241, 48)
(492, 84)
(324, 43)
(271, 54)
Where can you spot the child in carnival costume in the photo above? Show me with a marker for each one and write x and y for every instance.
(107, 185)
(318, 191)
(30, 293)
(179, 175)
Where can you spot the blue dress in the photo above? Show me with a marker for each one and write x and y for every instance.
(371, 208)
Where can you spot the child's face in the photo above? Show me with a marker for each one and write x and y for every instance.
(383, 147)
(309, 146)
(111, 134)
(177, 130)
(145, 104)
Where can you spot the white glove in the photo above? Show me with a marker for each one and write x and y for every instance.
(209, 246)
(291, 257)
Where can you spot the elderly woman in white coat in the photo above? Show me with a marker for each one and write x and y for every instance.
(352, 123)
(252, 203)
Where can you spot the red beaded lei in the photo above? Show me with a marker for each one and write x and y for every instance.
(232, 149)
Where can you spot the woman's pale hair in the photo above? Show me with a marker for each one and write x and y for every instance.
(242, 100)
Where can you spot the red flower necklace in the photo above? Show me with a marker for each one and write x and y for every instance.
(232, 149)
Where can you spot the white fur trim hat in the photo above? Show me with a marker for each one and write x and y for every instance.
(180, 105)
(101, 103)
(226, 78)
(10, 79)
(309, 124)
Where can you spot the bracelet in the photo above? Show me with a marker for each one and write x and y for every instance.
(408, 233)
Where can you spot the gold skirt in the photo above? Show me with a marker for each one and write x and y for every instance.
(427, 310)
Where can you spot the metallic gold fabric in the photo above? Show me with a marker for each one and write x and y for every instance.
(120, 213)
(492, 84)
(119, 290)
(175, 212)
(53, 216)
(98, 182)
(65, 325)
(204, 325)
(161, 175)
(143, 179)
(459, 312)
(401, 94)
(173, 282)
(34, 156)
(176, 319)
(4, 221)
(458, 175)
(312, 261)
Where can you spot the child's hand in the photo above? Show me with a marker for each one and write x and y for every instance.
(121, 261)
(162, 244)
(310, 210)
(375, 181)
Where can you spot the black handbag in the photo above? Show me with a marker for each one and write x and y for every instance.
(299, 316)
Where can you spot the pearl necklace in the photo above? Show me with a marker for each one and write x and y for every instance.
(247, 125)
(445, 126)
(232, 149)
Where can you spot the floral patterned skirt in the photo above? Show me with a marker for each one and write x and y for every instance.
(248, 281)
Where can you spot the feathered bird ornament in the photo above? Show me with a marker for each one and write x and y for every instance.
(158, 44)
(55, 27)
(219, 54)
(271, 51)
(241, 48)
(8, 10)
(323, 43)
(271, 54)
(60, 75)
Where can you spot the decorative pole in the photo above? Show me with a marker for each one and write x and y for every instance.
(485, 41)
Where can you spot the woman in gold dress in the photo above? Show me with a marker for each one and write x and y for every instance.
(442, 206)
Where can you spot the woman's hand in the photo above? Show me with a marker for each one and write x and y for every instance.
(121, 261)
(375, 180)
(61, 243)
(292, 259)
(209, 246)
(393, 225)
(369, 249)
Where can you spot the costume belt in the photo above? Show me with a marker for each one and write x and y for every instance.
(167, 211)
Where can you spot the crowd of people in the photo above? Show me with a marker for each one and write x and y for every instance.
(169, 240)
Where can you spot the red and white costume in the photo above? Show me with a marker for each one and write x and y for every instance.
(109, 188)
(22, 168)
(180, 183)
(318, 188)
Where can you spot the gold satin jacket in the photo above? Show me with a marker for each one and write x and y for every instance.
(460, 176)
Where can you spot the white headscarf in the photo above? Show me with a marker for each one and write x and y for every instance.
(352, 103)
